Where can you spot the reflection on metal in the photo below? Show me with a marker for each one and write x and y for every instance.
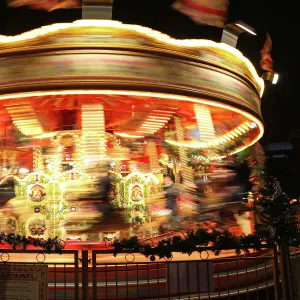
(272, 77)
(232, 32)
(97, 9)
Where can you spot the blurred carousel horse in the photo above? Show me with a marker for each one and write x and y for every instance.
(89, 218)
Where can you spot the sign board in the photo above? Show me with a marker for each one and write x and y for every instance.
(190, 277)
(23, 282)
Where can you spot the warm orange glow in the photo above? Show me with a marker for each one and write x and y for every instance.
(246, 126)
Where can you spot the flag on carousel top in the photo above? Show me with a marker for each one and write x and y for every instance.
(209, 12)
(266, 62)
(48, 5)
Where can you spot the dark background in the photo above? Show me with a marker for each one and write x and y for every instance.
(279, 105)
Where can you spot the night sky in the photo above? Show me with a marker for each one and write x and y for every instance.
(278, 108)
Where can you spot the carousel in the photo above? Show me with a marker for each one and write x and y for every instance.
(73, 95)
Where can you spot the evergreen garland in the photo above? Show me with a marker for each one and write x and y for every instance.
(48, 245)
(215, 241)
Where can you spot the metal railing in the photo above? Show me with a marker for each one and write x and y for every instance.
(97, 275)
(217, 278)
(63, 269)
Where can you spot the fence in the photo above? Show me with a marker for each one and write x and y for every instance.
(93, 275)
(192, 279)
(63, 270)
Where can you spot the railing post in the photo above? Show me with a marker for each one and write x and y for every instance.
(286, 272)
(94, 274)
(85, 274)
(276, 274)
(76, 270)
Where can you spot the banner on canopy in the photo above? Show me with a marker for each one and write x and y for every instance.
(266, 62)
(48, 5)
(206, 12)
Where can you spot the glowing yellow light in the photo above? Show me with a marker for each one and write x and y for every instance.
(46, 135)
(158, 118)
(24, 118)
(155, 121)
(93, 128)
(150, 126)
(144, 131)
(238, 131)
(128, 135)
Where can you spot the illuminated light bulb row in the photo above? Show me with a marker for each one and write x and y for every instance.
(204, 122)
(78, 152)
(25, 119)
(93, 133)
(38, 164)
(187, 173)
(140, 29)
(130, 136)
(232, 135)
(55, 165)
(151, 151)
(210, 158)
(155, 121)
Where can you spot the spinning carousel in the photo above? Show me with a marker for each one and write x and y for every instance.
(75, 94)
